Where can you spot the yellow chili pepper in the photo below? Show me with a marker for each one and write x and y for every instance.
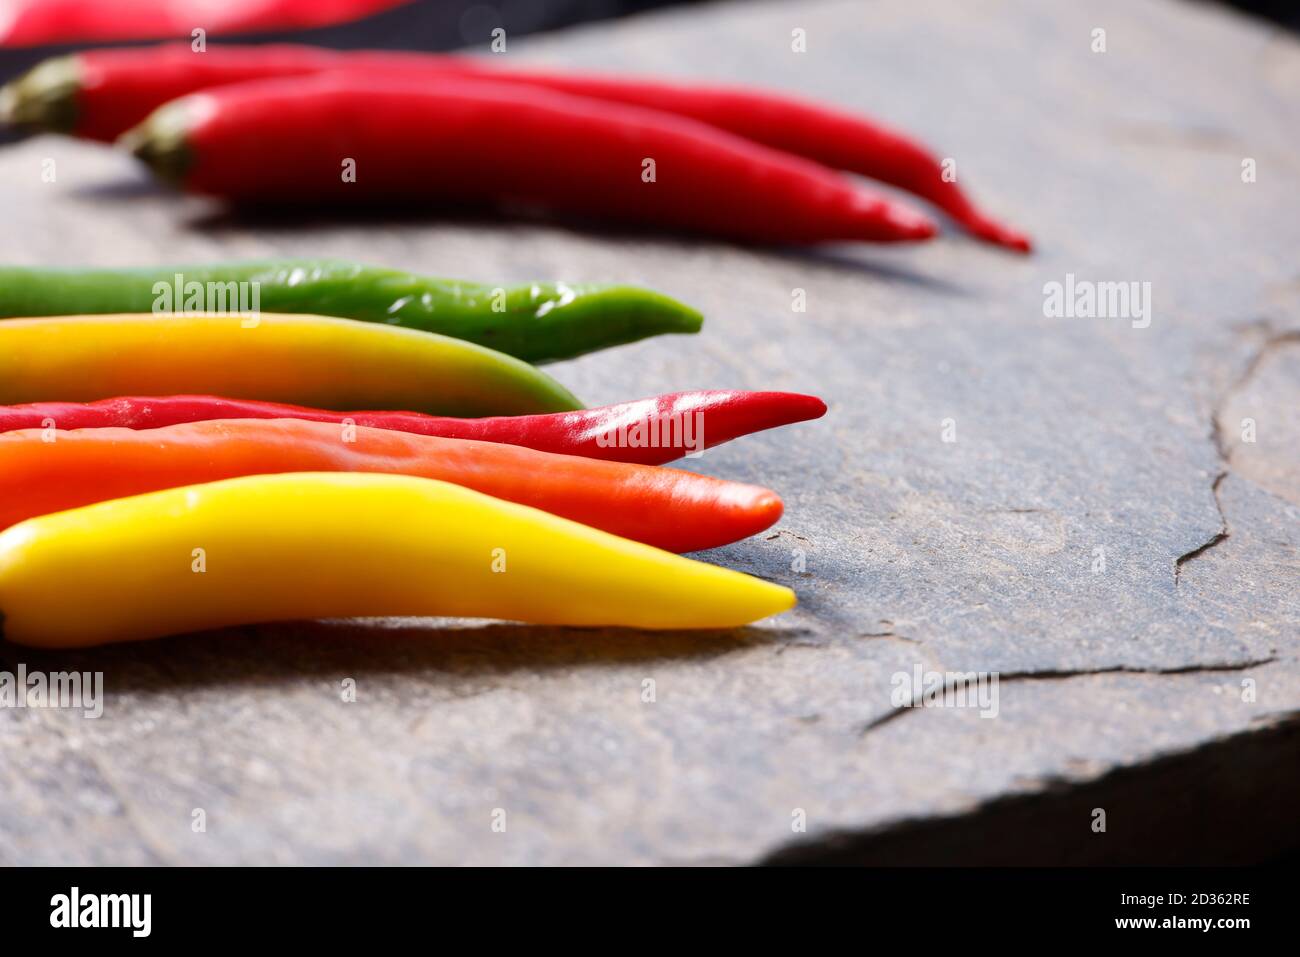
(305, 360)
(340, 545)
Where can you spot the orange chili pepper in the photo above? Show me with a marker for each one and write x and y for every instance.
(43, 471)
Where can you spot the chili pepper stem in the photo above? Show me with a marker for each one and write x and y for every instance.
(44, 98)
(985, 228)
(159, 142)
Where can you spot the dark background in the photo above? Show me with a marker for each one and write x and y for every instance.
(452, 24)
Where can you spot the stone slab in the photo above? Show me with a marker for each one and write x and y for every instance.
(980, 554)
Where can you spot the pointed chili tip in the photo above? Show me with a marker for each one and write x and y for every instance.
(1009, 239)
(752, 512)
(676, 315)
(993, 232)
(1018, 242)
(655, 311)
(888, 221)
(791, 407)
(690, 319)
(760, 411)
(909, 226)
(814, 407)
(923, 229)
(743, 510)
(783, 600)
(768, 508)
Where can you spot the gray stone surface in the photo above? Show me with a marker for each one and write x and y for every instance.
(973, 555)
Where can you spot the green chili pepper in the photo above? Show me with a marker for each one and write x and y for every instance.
(536, 322)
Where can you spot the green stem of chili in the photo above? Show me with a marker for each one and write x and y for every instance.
(537, 322)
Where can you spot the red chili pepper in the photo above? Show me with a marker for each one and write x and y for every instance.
(36, 22)
(831, 137)
(106, 92)
(345, 137)
(668, 508)
(646, 431)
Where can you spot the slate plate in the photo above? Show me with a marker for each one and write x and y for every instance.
(1161, 687)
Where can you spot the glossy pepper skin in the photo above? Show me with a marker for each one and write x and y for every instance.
(494, 145)
(65, 21)
(100, 94)
(535, 322)
(626, 432)
(42, 472)
(834, 138)
(271, 548)
(283, 358)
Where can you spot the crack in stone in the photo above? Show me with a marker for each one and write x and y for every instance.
(1274, 341)
(1218, 538)
(1214, 667)
(1221, 448)
(889, 635)
(1065, 673)
(1222, 535)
